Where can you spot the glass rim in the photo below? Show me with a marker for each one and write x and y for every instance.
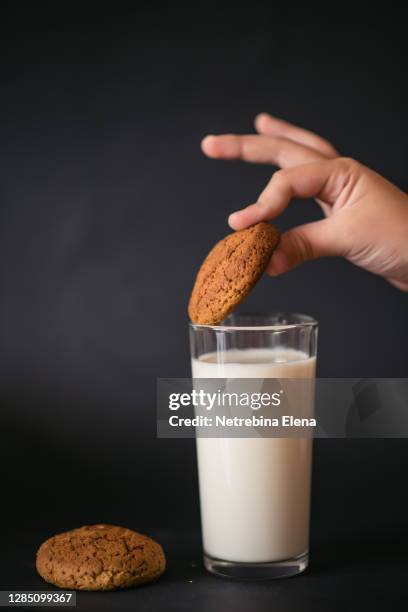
(303, 321)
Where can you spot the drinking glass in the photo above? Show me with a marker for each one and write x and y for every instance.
(255, 491)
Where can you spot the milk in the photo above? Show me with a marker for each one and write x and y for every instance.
(254, 492)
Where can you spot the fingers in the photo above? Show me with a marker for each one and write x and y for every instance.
(323, 179)
(272, 126)
(259, 149)
(304, 243)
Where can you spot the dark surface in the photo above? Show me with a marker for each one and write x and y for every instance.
(107, 209)
(347, 570)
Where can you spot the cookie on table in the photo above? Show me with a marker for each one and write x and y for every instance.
(230, 271)
(100, 558)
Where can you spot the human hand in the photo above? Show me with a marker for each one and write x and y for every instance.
(366, 215)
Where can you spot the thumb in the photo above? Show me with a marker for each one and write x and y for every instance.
(304, 243)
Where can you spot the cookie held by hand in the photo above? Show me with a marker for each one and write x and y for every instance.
(230, 271)
(100, 558)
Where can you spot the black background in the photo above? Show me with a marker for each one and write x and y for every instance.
(107, 209)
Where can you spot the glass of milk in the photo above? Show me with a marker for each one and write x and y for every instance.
(255, 491)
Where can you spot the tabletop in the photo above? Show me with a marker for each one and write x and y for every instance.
(345, 573)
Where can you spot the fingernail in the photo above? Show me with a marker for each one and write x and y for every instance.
(233, 218)
(207, 146)
(262, 116)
